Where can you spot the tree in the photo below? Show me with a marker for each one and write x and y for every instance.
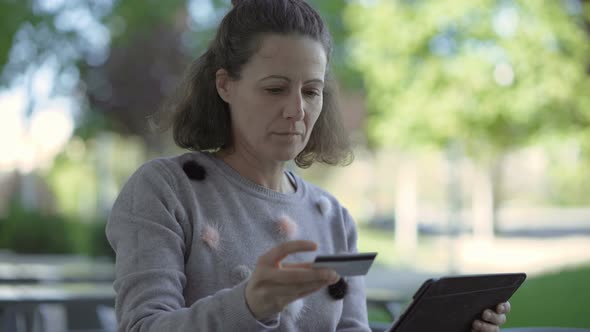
(332, 13)
(487, 75)
(145, 48)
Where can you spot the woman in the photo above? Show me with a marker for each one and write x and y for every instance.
(217, 239)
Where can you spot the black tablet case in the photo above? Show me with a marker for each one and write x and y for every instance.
(451, 304)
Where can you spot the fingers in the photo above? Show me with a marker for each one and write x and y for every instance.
(306, 265)
(503, 308)
(480, 326)
(269, 299)
(493, 317)
(490, 321)
(294, 273)
(310, 291)
(273, 284)
(298, 276)
(274, 256)
(293, 292)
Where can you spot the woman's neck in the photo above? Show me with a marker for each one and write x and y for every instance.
(270, 175)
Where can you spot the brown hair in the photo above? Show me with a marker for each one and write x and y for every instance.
(201, 119)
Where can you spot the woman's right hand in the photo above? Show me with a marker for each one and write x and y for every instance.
(274, 285)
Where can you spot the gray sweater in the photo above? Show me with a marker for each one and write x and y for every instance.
(187, 232)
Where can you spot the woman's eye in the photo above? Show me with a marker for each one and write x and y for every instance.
(274, 91)
(312, 93)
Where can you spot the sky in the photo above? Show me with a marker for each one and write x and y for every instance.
(28, 143)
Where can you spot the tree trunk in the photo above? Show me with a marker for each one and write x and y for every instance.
(483, 203)
(406, 206)
(104, 178)
(28, 191)
(497, 178)
(454, 205)
(28, 184)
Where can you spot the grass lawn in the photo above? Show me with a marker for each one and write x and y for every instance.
(557, 299)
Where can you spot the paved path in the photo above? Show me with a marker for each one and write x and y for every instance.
(531, 255)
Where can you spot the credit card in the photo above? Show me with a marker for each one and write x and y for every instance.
(347, 265)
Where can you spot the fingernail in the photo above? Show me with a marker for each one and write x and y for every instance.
(335, 277)
(502, 307)
(487, 315)
(329, 276)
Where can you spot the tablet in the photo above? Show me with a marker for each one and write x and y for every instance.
(453, 303)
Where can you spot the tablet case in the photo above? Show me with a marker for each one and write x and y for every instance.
(451, 304)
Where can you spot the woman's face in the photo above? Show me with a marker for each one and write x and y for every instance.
(278, 97)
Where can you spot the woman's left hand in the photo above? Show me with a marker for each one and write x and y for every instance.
(491, 320)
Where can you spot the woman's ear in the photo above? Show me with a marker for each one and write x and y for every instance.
(222, 83)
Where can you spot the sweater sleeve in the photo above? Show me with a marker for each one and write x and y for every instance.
(149, 233)
(354, 309)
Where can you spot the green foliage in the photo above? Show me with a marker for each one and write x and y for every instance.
(33, 33)
(378, 314)
(73, 180)
(98, 245)
(12, 15)
(34, 232)
(88, 174)
(332, 13)
(134, 18)
(492, 75)
(570, 184)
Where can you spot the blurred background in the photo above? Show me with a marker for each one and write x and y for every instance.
(471, 123)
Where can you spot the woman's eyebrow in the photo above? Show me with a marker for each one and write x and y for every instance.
(313, 80)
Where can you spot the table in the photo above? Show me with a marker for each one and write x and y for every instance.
(20, 303)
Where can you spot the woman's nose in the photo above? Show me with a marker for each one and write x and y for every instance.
(294, 108)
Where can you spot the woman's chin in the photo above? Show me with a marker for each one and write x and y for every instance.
(286, 155)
